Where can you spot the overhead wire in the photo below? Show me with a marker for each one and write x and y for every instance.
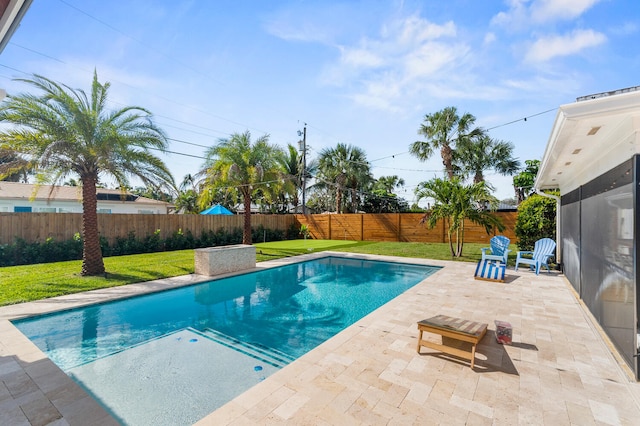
(214, 115)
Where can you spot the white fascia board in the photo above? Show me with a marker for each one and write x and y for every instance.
(11, 20)
(564, 127)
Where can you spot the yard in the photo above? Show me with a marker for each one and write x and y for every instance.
(33, 282)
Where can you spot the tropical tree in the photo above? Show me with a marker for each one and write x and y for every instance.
(187, 202)
(473, 156)
(385, 185)
(13, 165)
(186, 195)
(444, 130)
(238, 166)
(66, 132)
(523, 181)
(455, 203)
(381, 197)
(152, 192)
(296, 174)
(344, 169)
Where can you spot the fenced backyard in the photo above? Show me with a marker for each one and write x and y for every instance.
(38, 227)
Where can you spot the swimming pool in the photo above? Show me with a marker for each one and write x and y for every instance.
(172, 357)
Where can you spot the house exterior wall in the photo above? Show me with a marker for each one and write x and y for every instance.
(59, 206)
(570, 237)
(599, 240)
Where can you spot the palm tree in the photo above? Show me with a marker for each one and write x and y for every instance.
(344, 167)
(291, 163)
(454, 203)
(385, 185)
(381, 198)
(65, 132)
(187, 202)
(12, 167)
(444, 130)
(475, 155)
(238, 165)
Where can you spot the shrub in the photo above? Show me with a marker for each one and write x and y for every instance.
(536, 219)
(22, 252)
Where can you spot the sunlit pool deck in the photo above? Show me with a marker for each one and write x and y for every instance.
(559, 370)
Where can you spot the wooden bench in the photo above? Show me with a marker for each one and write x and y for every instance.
(453, 328)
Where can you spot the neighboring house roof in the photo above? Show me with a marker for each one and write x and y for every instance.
(25, 191)
(590, 137)
(11, 13)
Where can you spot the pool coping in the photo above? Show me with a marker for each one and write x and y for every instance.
(35, 389)
(334, 384)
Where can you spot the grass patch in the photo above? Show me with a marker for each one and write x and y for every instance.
(33, 282)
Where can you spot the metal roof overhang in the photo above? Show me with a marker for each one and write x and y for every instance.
(589, 138)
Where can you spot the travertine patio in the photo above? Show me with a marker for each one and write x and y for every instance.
(559, 370)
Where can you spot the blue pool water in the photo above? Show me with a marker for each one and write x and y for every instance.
(243, 328)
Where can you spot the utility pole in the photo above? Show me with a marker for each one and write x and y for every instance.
(303, 148)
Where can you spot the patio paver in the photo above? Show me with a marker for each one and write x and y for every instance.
(559, 370)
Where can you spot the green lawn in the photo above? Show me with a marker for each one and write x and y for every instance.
(33, 282)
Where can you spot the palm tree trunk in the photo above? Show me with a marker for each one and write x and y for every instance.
(92, 263)
(478, 177)
(447, 158)
(453, 253)
(338, 201)
(246, 232)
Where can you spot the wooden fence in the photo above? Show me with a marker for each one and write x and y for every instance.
(362, 227)
(63, 226)
(395, 227)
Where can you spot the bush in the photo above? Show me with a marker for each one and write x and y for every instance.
(536, 219)
(22, 252)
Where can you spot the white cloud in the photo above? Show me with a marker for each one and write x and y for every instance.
(384, 70)
(430, 58)
(551, 10)
(547, 48)
(489, 38)
(628, 28)
(515, 17)
(361, 58)
(522, 14)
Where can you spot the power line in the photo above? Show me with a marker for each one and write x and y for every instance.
(172, 101)
(522, 119)
(146, 46)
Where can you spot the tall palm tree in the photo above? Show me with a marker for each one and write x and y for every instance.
(344, 168)
(475, 155)
(237, 165)
(66, 132)
(454, 203)
(291, 163)
(444, 130)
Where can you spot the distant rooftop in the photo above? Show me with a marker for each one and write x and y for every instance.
(611, 93)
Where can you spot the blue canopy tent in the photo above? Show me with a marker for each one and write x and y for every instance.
(216, 209)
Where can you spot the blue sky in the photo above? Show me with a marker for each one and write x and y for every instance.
(358, 72)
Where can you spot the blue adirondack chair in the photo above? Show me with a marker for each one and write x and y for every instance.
(499, 249)
(542, 252)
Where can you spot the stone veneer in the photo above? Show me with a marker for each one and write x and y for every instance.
(224, 259)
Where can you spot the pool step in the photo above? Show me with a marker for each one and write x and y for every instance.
(256, 350)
